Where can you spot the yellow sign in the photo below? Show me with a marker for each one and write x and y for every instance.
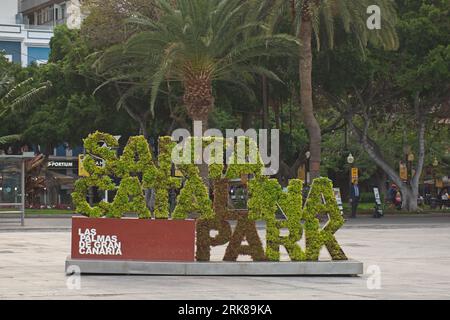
(178, 173)
(439, 183)
(302, 173)
(81, 170)
(354, 175)
(403, 171)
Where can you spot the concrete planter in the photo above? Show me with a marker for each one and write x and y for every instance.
(133, 239)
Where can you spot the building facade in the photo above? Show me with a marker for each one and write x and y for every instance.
(60, 176)
(51, 12)
(26, 27)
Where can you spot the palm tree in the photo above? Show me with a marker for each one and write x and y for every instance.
(314, 19)
(16, 96)
(199, 42)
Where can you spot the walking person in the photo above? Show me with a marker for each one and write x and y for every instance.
(391, 195)
(445, 199)
(354, 198)
(398, 200)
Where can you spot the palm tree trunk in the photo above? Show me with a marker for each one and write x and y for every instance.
(306, 101)
(199, 101)
(203, 117)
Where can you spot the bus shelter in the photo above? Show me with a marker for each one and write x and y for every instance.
(12, 186)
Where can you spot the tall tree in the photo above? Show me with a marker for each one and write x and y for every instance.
(107, 15)
(199, 42)
(203, 41)
(316, 22)
(401, 94)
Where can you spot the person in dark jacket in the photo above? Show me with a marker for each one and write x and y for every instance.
(354, 198)
(391, 193)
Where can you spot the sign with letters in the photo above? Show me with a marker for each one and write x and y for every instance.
(162, 230)
(403, 171)
(111, 239)
(376, 193)
(378, 204)
(61, 164)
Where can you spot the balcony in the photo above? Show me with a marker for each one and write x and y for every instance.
(25, 5)
(42, 27)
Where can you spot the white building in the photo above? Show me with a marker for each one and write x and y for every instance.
(26, 27)
(51, 12)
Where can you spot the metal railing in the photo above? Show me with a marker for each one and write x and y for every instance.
(42, 27)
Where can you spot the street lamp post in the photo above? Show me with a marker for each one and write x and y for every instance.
(350, 161)
(434, 200)
(45, 197)
(308, 156)
(15, 194)
(435, 164)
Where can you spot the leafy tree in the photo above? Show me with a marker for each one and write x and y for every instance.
(69, 111)
(107, 15)
(402, 93)
(196, 43)
(17, 95)
(321, 20)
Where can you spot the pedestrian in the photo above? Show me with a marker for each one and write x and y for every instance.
(445, 199)
(354, 198)
(398, 200)
(391, 194)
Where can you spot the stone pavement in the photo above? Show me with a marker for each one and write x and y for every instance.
(412, 254)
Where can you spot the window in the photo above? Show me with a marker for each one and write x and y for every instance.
(51, 16)
(41, 62)
(63, 11)
(30, 19)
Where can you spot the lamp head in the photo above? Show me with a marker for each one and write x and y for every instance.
(350, 159)
(435, 162)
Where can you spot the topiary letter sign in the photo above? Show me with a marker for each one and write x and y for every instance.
(137, 171)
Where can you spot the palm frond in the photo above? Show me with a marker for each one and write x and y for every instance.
(28, 97)
(10, 139)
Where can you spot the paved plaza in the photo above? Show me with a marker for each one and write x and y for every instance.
(411, 253)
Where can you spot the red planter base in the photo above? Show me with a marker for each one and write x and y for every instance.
(133, 239)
